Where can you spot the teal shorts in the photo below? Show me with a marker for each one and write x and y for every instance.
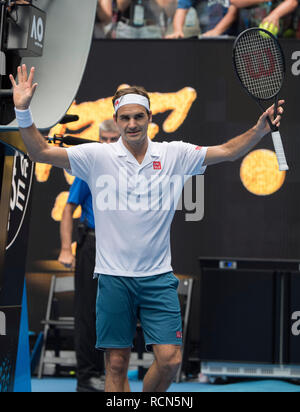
(122, 301)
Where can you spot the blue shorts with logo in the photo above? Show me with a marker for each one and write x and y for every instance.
(122, 301)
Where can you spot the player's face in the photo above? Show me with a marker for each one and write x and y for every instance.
(108, 137)
(133, 121)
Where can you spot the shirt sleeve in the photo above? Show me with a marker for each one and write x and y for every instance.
(192, 158)
(78, 192)
(82, 158)
(185, 4)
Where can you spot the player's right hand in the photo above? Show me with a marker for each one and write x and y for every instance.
(67, 259)
(24, 89)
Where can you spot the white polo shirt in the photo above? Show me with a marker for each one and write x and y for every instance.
(134, 204)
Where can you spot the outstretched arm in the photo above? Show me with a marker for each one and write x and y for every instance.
(285, 8)
(178, 24)
(38, 149)
(105, 11)
(241, 4)
(223, 24)
(241, 145)
(123, 4)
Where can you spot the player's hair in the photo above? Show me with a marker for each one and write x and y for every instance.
(131, 90)
(108, 126)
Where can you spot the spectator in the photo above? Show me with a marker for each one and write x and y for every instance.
(104, 19)
(216, 17)
(255, 12)
(142, 19)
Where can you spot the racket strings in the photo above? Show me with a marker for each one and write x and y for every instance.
(259, 64)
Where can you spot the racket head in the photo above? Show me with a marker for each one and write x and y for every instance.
(259, 63)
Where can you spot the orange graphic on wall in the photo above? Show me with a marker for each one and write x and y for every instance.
(260, 173)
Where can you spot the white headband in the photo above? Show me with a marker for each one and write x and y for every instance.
(132, 99)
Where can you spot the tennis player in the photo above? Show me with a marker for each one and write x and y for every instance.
(133, 262)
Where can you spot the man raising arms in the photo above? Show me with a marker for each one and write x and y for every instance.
(136, 279)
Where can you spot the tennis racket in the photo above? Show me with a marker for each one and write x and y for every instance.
(260, 66)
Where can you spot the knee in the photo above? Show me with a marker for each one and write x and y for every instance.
(171, 362)
(117, 365)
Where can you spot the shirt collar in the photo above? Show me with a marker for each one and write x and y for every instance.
(122, 151)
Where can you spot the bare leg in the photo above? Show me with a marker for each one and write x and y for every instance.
(127, 386)
(117, 362)
(161, 374)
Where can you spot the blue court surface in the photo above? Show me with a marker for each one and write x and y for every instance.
(69, 385)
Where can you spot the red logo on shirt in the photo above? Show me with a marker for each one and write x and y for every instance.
(157, 165)
(179, 335)
(198, 147)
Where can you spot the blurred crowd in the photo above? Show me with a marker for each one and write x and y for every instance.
(177, 19)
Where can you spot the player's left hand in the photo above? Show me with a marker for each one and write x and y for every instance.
(263, 126)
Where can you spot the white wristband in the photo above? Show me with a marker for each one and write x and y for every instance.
(24, 118)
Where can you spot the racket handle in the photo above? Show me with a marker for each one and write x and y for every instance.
(279, 151)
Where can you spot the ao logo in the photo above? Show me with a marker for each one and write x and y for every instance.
(37, 31)
(296, 325)
(296, 65)
(2, 324)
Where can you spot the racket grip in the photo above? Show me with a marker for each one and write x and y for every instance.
(279, 151)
